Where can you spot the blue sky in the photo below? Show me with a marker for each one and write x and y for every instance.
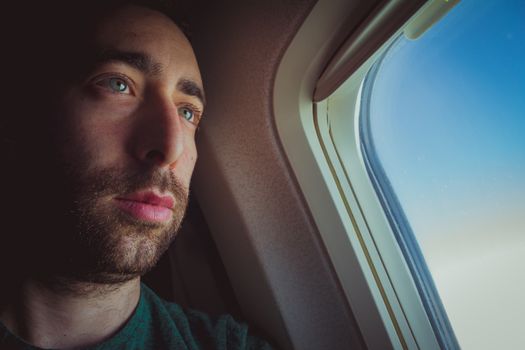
(448, 113)
(448, 123)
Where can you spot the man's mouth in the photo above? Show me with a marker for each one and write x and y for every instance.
(147, 206)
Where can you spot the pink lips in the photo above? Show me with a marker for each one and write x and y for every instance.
(147, 206)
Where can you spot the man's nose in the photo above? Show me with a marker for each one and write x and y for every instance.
(159, 133)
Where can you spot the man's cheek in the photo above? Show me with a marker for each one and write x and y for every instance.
(185, 165)
(99, 149)
(97, 127)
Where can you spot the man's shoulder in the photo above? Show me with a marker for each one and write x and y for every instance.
(200, 329)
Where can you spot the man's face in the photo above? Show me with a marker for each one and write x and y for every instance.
(126, 137)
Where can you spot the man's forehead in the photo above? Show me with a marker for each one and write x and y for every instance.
(136, 28)
(129, 14)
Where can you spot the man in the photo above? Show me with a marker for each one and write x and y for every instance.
(100, 149)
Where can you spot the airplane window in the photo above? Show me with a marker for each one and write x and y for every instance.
(442, 121)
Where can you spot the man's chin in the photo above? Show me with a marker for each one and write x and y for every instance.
(111, 252)
(132, 254)
(117, 265)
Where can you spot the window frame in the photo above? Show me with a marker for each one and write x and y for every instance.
(346, 209)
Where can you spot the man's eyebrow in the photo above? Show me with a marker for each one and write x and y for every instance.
(138, 60)
(191, 88)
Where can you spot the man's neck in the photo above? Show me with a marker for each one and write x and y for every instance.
(48, 317)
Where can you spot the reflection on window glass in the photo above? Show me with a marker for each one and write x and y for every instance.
(446, 126)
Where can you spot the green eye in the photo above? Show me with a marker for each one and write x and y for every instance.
(187, 113)
(118, 85)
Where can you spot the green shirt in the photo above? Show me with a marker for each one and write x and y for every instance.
(157, 324)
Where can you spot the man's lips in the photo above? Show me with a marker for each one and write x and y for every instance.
(147, 206)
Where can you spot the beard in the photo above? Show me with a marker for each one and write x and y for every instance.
(88, 239)
(115, 246)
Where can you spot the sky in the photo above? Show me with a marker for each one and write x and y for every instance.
(448, 123)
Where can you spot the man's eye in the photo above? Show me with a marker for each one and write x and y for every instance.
(187, 113)
(117, 85)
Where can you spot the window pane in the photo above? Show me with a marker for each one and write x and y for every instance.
(447, 125)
